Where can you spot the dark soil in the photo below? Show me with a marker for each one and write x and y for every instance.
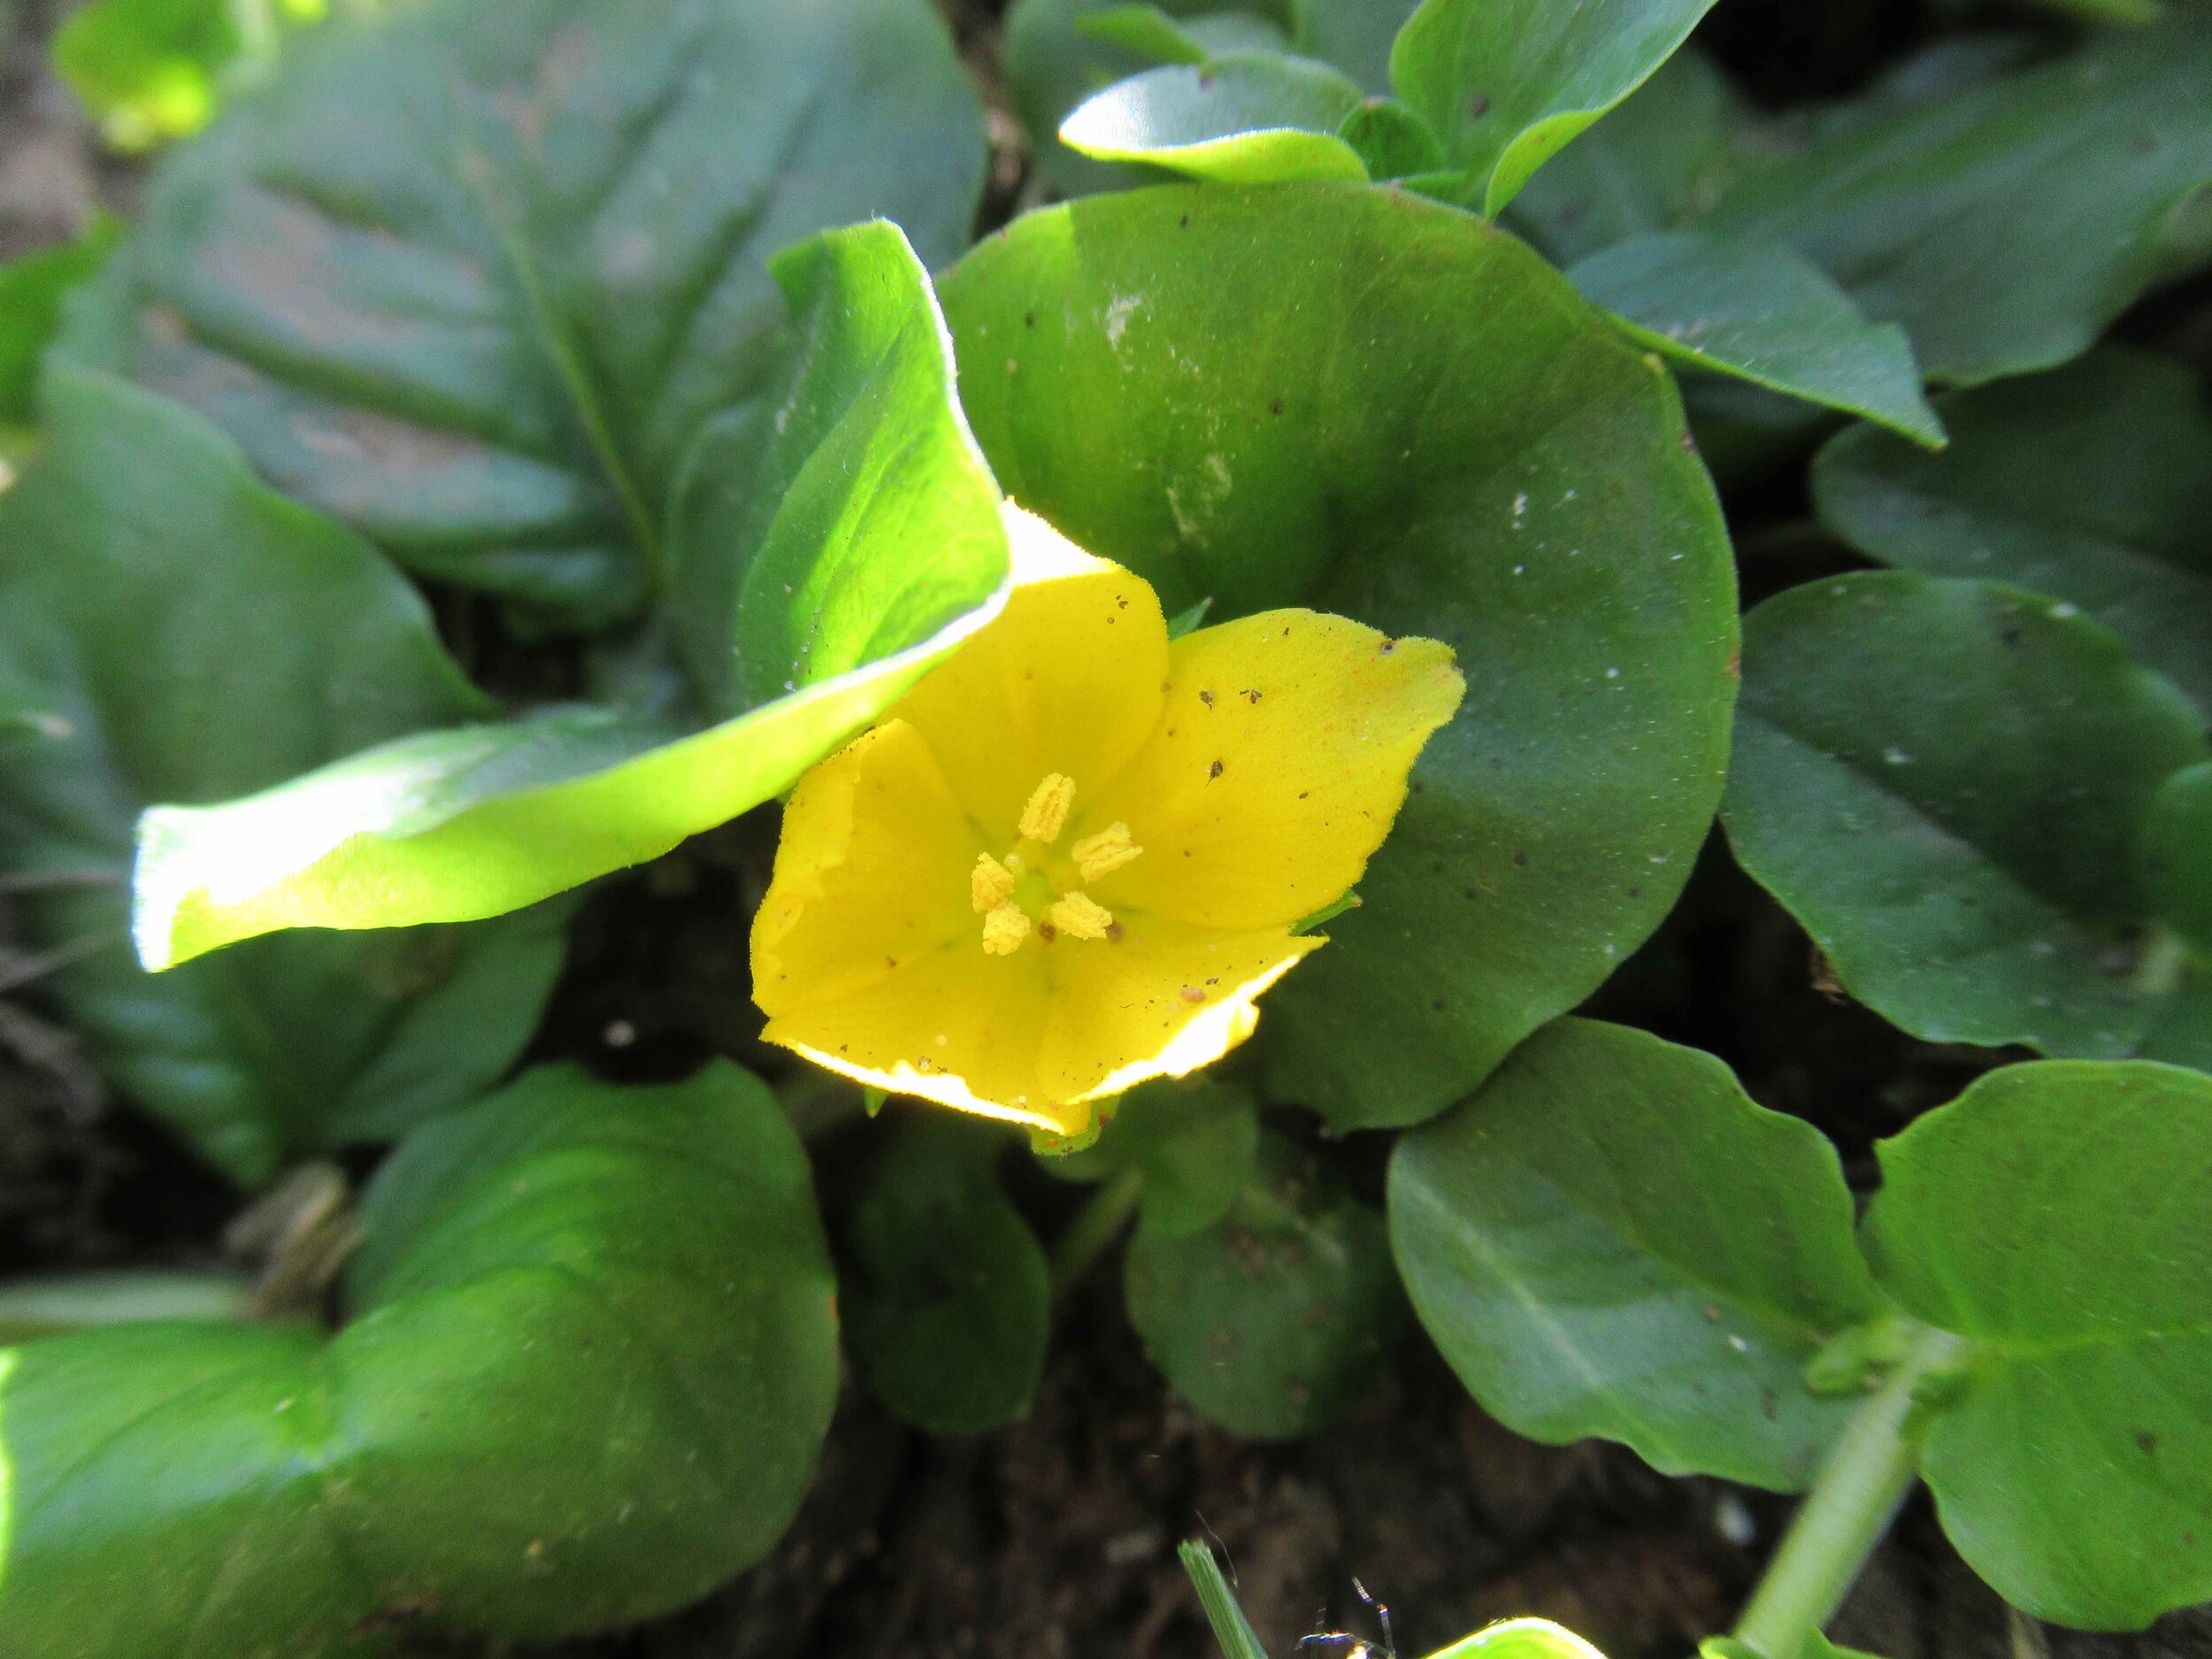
(1057, 1538)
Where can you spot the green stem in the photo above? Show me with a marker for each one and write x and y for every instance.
(1844, 1517)
(1096, 1225)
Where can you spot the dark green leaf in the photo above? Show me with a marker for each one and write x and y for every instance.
(831, 548)
(2177, 854)
(1508, 83)
(1946, 781)
(1156, 35)
(1762, 314)
(1272, 1321)
(949, 1298)
(1356, 35)
(473, 278)
(1656, 162)
(1941, 215)
(1611, 1239)
(172, 630)
(1251, 118)
(1434, 434)
(591, 1359)
(1193, 1140)
(31, 293)
(2059, 1217)
(1390, 140)
(2089, 484)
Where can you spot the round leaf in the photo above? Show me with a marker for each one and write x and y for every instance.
(473, 278)
(2087, 484)
(1611, 1239)
(1271, 1321)
(1436, 435)
(950, 1297)
(2059, 1217)
(592, 1358)
(1945, 781)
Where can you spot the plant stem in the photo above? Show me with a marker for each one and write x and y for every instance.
(1096, 1225)
(1844, 1517)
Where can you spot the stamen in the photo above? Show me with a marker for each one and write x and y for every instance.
(1079, 917)
(989, 885)
(1099, 856)
(1003, 931)
(1047, 813)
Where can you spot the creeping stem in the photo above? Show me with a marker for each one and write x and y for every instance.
(1096, 1225)
(1849, 1509)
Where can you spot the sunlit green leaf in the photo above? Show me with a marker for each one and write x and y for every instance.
(1252, 118)
(842, 540)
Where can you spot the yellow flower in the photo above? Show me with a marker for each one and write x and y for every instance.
(1071, 858)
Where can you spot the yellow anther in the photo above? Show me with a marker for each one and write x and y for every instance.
(1079, 917)
(1047, 813)
(990, 883)
(1003, 931)
(1101, 855)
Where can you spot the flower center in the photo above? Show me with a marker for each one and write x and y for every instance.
(1028, 889)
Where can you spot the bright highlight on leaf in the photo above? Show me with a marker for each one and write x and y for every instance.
(1073, 858)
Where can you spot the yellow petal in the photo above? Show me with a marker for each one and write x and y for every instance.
(1277, 769)
(1067, 679)
(958, 1027)
(1164, 999)
(874, 870)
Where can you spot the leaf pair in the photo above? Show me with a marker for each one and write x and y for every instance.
(1746, 308)
(1259, 1285)
(1611, 1239)
(590, 1357)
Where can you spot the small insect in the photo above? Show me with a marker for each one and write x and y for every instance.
(1357, 1647)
